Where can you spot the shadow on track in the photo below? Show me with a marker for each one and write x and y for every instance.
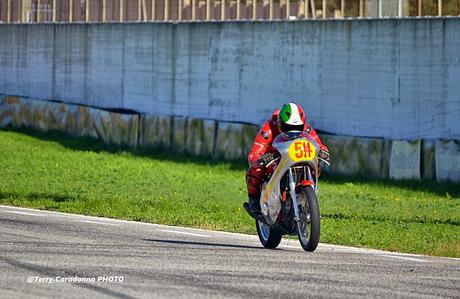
(178, 242)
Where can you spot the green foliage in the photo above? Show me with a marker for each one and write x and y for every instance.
(79, 175)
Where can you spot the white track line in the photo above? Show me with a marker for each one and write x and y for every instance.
(95, 222)
(183, 233)
(22, 213)
(404, 258)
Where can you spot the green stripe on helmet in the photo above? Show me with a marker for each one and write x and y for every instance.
(285, 113)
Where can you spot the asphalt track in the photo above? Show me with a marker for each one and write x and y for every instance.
(157, 261)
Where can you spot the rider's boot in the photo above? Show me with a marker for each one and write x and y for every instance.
(253, 206)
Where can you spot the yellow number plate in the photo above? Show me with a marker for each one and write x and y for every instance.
(302, 151)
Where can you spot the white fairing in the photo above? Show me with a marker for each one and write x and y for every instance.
(270, 199)
(270, 202)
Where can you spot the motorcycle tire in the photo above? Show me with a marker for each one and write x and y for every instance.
(269, 237)
(309, 240)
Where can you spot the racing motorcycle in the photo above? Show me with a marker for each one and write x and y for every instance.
(289, 193)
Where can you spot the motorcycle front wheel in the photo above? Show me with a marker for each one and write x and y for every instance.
(309, 227)
(269, 237)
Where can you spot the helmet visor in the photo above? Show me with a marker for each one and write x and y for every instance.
(284, 127)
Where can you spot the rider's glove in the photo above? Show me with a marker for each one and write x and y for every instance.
(324, 154)
(265, 159)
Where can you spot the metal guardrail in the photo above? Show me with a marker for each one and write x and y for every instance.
(27, 11)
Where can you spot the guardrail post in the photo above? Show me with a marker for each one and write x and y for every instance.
(166, 12)
(179, 10)
(153, 10)
(208, 10)
(254, 9)
(439, 7)
(400, 12)
(122, 10)
(380, 12)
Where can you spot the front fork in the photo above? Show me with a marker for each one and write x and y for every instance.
(292, 188)
(295, 202)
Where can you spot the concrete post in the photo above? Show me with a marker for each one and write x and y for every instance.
(238, 8)
(23, 5)
(139, 11)
(300, 9)
(70, 10)
(271, 10)
(86, 11)
(361, 8)
(208, 9)
(122, 10)
(306, 10)
(254, 9)
(179, 10)
(54, 11)
(439, 7)
(104, 15)
(222, 9)
(380, 12)
(193, 10)
(39, 10)
(288, 9)
(144, 10)
(400, 12)
(153, 10)
(8, 11)
(313, 9)
(342, 8)
(324, 8)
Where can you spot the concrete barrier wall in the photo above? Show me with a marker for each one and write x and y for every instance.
(392, 78)
(351, 156)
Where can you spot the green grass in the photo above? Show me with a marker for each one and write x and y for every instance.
(79, 175)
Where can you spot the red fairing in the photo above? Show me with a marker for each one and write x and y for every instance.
(262, 145)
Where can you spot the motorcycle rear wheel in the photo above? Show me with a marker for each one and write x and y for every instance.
(269, 237)
(308, 229)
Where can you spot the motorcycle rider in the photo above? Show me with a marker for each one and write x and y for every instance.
(291, 117)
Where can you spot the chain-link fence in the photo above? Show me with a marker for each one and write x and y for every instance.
(27, 11)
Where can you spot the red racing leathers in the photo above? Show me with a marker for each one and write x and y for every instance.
(261, 146)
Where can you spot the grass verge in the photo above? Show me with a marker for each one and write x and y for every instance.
(80, 175)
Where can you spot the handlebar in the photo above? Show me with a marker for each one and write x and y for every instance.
(324, 161)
